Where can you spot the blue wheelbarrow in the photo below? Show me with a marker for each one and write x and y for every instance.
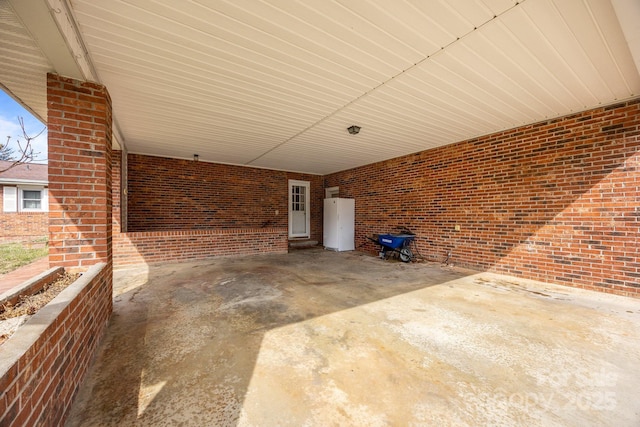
(395, 243)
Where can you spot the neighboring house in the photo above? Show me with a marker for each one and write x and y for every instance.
(25, 204)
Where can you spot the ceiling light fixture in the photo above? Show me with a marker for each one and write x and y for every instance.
(353, 129)
(196, 157)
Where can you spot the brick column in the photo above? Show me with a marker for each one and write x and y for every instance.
(79, 129)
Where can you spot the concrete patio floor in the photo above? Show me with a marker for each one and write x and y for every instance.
(317, 338)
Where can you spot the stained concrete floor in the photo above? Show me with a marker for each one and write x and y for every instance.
(317, 338)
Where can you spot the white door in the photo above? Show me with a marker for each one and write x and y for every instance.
(299, 215)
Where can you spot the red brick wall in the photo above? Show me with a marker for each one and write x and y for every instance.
(171, 194)
(23, 226)
(173, 246)
(41, 371)
(79, 141)
(555, 201)
(233, 203)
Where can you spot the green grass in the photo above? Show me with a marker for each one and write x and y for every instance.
(14, 255)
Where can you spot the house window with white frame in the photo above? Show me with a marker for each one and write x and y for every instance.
(25, 199)
(31, 200)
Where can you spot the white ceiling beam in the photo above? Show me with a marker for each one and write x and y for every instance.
(68, 28)
(36, 16)
(53, 27)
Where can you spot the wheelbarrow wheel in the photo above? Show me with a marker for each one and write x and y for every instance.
(406, 255)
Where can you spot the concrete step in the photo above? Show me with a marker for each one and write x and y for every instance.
(301, 244)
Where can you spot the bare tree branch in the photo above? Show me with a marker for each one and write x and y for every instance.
(6, 152)
(25, 148)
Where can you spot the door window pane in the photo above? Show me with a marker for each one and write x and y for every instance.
(298, 198)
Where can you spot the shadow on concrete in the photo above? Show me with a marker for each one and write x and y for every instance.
(184, 339)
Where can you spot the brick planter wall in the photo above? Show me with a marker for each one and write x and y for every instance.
(172, 246)
(555, 201)
(43, 364)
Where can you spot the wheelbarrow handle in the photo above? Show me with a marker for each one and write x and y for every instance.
(373, 240)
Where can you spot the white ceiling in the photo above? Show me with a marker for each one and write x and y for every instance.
(23, 67)
(276, 83)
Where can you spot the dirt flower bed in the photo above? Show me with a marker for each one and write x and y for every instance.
(28, 305)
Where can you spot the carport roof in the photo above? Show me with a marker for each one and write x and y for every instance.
(275, 84)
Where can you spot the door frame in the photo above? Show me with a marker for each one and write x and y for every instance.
(307, 207)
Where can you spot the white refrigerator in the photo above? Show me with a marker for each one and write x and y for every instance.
(339, 224)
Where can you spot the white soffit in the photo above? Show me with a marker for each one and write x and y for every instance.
(23, 73)
(275, 83)
(536, 61)
(37, 37)
(628, 12)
